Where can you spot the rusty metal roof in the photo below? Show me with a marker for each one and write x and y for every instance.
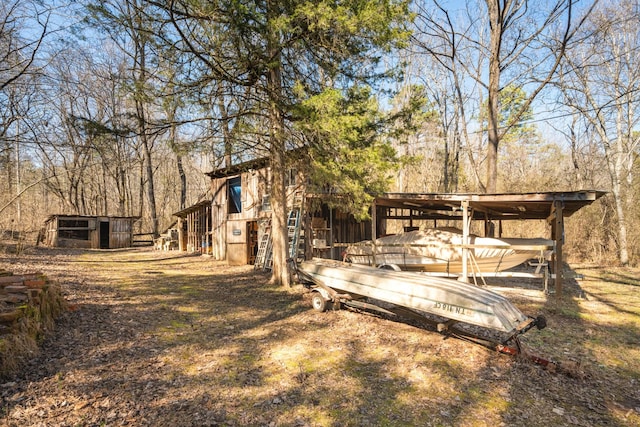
(184, 212)
(504, 206)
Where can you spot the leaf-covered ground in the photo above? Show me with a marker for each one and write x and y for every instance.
(159, 338)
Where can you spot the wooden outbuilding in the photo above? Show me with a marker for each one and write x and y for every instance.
(90, 232)
(194, 228)
(240, 215)
(241, 209)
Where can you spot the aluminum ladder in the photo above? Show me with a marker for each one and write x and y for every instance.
(293, 232)
(265, 249)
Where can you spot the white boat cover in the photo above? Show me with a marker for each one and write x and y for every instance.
(441, 250)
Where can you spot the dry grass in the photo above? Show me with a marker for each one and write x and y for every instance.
(196, 342)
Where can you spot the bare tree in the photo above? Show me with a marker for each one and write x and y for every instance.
(84, 144)
(601, 84)
(17, 123)
(18, 48)
(130, 25)
(444, 56)
(521, 43)
(19, 51)
(66, 156)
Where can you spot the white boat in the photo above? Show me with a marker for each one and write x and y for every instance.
(446, 298)
(441, 251)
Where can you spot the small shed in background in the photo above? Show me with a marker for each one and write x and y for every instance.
(90, 232)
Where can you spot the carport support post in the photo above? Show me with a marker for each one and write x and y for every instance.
(373, 230)
(465, 239)
(181, 246)
(557, 234)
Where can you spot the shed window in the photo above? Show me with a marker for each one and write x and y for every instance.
(290, 177)
(235, 195)
(74, 234)
(73, 223)
(266, 203)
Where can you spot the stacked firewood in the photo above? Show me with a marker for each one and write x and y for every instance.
(18, 294)
(29, 304)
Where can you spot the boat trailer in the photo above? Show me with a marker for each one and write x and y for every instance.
(443, 304)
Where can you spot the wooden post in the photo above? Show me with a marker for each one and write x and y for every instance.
(465, 240)
(373, 231)
(191, 230)
(559, 238)
(181, 245)
(208, 229)
(203, 227)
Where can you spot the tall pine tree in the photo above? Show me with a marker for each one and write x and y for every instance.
(278, 55)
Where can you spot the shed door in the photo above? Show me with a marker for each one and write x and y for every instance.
(252, 241)
(104, 235)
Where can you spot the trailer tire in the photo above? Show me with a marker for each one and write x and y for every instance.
(318, 302)
(541, 322)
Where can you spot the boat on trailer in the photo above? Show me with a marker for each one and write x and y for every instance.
(442, 251)
(455, 301)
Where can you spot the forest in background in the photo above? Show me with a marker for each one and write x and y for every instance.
(119, 107)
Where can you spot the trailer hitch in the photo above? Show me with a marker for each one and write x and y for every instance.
(539, 322)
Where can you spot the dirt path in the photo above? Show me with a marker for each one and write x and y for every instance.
(159, 339)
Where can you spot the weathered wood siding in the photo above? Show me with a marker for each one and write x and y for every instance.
(198, 228)
(120, 233)
(69, 231)
(229, 229)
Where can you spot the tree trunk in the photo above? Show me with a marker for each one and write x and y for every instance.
(614, 156)
(141, 186)
(122, 190)
(179, 165)
(621, 191)
(105, 199)
(462, 122)
(140, 78)
(151, 194)
(623, 251)
(183, 181)
(493, 106)
(280, 271)
(226, 132)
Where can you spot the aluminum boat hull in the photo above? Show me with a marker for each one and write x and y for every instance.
(442, 297)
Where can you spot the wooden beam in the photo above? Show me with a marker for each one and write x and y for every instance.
(465, 240)
(373, 228)
(557, 234)
(373, 220)
(181, 245)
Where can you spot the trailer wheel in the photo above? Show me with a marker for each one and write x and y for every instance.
(318, 302)
(393, 267)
